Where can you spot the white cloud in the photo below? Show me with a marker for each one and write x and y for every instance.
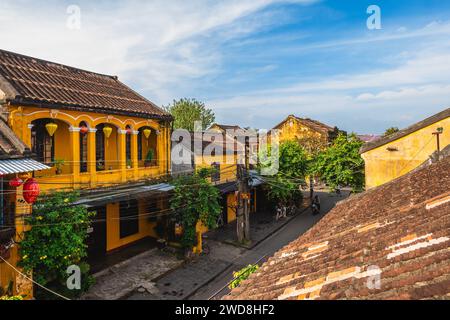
(159, 46)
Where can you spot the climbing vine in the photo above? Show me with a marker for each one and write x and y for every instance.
(56, 240)
(195, 199)
(242, 275)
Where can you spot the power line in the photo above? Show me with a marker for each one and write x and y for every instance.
(36, 283)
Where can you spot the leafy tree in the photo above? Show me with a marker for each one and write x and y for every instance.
(56, 241)
(341, 164)
(391, 131)
(195, 199)
(293, 167)
(187, 111)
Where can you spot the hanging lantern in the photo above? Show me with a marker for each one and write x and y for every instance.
(16, 182)
(31, 191)
(51, 128)
(24, 176)
(147, 133)
(178, 229)
(84, 129)
(107, 131)
(129, 130)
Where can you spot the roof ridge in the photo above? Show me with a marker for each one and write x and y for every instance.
(406, 131)
(23, 56)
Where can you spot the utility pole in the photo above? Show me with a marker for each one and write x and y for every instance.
(243, 201)
(438, 132)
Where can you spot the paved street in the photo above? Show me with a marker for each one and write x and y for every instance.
(209, 275)
(295, 228)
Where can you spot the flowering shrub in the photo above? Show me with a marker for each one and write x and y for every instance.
(56, 239)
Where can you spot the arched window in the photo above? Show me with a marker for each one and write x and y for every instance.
(128, 145)
(84, 147)
(147, 147)
(100, 147)
(42, 144)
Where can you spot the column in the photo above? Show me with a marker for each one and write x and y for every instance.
(122, 157)
(75, 148)
(92, 158)
(134, 154)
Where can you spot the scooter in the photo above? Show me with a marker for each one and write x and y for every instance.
(315, 209)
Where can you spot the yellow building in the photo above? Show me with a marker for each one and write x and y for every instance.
(215, 149)
(394, 156)
(96, 135)
(311, 134)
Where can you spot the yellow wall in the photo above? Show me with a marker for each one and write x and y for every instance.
(228, 171)
(67, 147)
(293, 129)
(414, 149)
(232, 205)
(20, 285)
(146, 228)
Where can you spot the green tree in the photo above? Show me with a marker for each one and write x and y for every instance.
(56, 241)
(293, 167)
(187, 111)
(391, 131)
(195, 199)
(341, 164)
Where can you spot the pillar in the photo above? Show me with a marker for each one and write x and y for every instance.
(75, 151)
(92, 158)
(122, 156)
(134, 154)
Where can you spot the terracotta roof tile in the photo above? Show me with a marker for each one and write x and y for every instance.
(390, 242)
(35, 81)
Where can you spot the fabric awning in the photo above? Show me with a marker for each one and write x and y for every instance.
(13, 166)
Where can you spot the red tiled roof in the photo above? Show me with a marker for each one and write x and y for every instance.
(398, 233)
(11, 146)
(368, 137)
(313, 124)
(28, 80)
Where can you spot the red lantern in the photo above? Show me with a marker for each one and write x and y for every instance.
(84, 129)
(16, 182)
(31, 191)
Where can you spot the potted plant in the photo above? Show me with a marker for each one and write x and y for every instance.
(128, 164)
(58, 165)
(149, 158)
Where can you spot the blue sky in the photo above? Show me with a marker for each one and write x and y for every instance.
(255, 62)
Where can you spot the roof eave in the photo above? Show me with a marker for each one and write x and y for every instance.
(23, 101)
(405, 132)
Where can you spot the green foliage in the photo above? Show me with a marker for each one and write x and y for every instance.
(187, 111)
(293, 167)
(391, 131)
(195, 199)
(242, 275)
(293, 160)
(13, 298)
(56, 239)
(341, 164)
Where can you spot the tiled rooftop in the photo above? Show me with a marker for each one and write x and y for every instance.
(27, 80)
(392, 242)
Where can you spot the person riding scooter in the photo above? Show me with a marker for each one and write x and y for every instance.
(315, 205)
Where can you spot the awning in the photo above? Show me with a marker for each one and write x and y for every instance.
(13, 166)
(124, 194)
